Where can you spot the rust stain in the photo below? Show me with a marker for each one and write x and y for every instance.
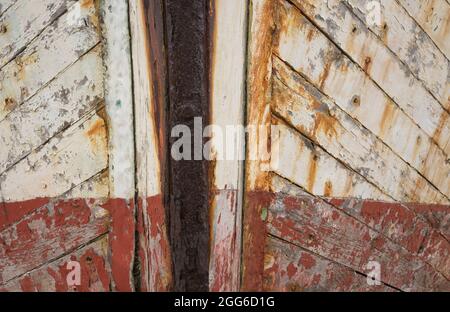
(86, 3)
(324, 75)
(23, 62)
(386, 119)
(312, 172)
(325, 123)
(443, 121)
(97, 129)
(9, 104)
(384, 32)
(310, 35)
(328, 189)
(98, 133)
(367, 64)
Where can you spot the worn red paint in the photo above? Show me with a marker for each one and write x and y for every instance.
(255, 206)
(315, 225)
(13, 212)
(60, 226)
(57, 227)
(153, 249)
(122, 242)
(225, 252)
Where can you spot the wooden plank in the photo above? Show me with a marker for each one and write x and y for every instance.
(316, 226)
(62, 102)
(409, 42)
(48, 233)
(147, 137)
(57, 47)
(24, 21)
(51, 277)
(340, 79)
(321, 120)
(227, 109)
(290, 268)
(149, 106)
(364, 48)
(433, 17)
(66, 160)
(295, 158)
(258, 114)
(119, 97)
(5, 5)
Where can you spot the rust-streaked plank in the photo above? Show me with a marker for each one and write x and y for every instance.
(295, 158)
(66, 160)
(321, 120)
(382, 67)
(154, 256)
(349, 87)
(256, 198)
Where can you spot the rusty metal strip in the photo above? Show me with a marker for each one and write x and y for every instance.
(188, 47)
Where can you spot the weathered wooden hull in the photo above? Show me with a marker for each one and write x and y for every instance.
(340, 160)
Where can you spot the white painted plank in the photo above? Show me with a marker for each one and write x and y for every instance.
(313, 55)
(228, 149)
(148, 176)
(318, 118)
(119, 97)
(227, 104)
(65, 161)
(24, 21)
(295, 158)
(401, 34)
(59, 46)
(434, 17)
(382, 66)
(64, 101)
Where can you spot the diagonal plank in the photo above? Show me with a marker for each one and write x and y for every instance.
(298, 160)
(66, 160)
(24, 21)
(321, 120)
(65, 100)
(59, 46)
